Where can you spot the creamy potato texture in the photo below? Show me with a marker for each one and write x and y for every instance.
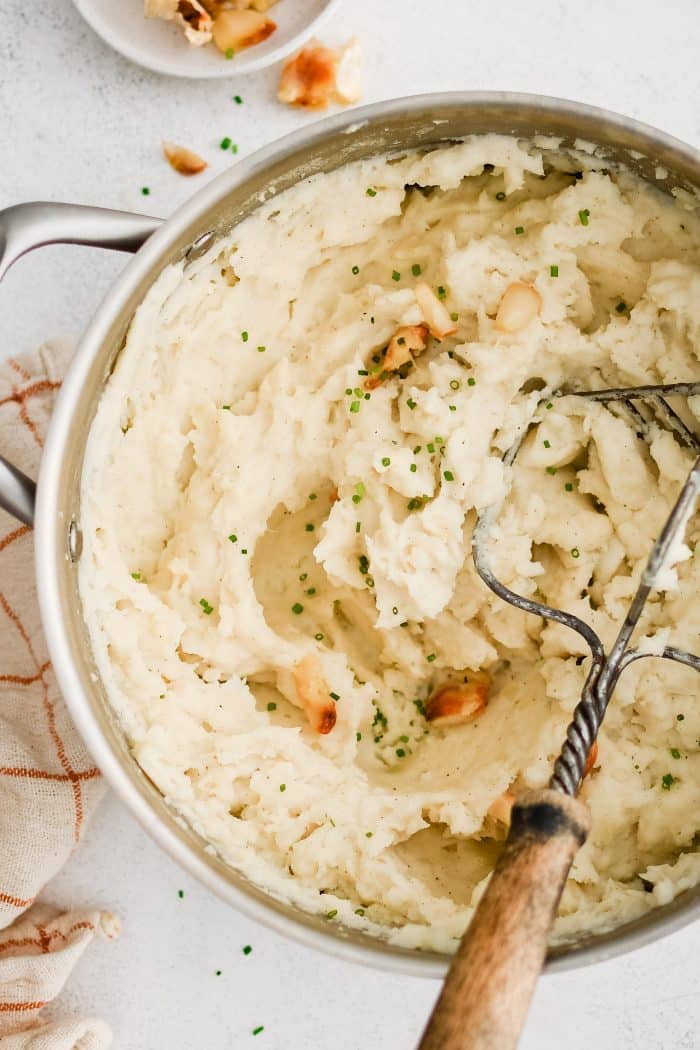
(277, 571)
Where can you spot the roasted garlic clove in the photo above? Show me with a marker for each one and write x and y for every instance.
(191, 16)
(318, 75)
(435, 313)
(460, 703)
(407, 342)
(313, 695)
(184, 161)
(236, 30)
(521, 303)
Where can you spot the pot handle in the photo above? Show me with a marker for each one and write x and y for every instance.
(27, 226)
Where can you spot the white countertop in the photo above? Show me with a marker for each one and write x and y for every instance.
(79, 123)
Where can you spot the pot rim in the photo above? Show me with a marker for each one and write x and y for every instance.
(48, 556)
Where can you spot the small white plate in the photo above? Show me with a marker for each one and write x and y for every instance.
(162, 47)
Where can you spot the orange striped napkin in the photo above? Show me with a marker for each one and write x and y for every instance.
(49, 786)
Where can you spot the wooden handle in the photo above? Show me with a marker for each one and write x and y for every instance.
(487, 992)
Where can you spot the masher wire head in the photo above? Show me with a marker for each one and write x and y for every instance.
(648, 410)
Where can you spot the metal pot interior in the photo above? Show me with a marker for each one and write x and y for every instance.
(423, 122)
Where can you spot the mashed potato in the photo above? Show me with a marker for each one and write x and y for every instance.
(277, 515)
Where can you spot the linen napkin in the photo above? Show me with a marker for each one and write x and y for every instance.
(49, 785)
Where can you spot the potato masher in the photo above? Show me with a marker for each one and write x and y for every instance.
(487, 991)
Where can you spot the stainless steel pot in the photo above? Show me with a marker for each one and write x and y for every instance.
(54, 508)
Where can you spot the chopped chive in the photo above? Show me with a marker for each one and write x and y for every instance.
(442, 294)
(395, 610)
(371, 192)
(385, 461)
(359, 911)
(358, 736)
(297, 608)
(356, 270)
(332, 914)
(500, 196)
(319, 637)
(471, 381)
(554, 271)
(454, 317)
(415, 504)
(312, 495)
(304, 576)
(395, 275)
(675, 753)
(261, 1027)
(362, 372)
(400, 752)
(546, 443)
(454, 384)
(417, 450)
(261, 349)
(311, 591)
(226, 408)
(416, 270)
(217, 973)
(244, 337)
(283, 787)
(244, 550)
(207, 608)
(234, 148)
(354, 406)
(348, 391)
(551, 470)
(233, 537)
(368, 834)
(358, 526)
(575, 552)
(452, 408)
(309, 527)
(272, 706)
(621, 307)
(229, 55)
(667, 780)
(549, 405)
(238, 100)
(569, 487)
(584, 216)
(413, 468)
(181, 894)
(334, 696)
(431, 657)
(680, 718)
(411, 403)
(448, 475)
(225, 143)
(367, 397)
(519, 230)
(247, 949)
(145, 190)
(136, 575)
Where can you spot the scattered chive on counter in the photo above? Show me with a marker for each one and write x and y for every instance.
(554, 271)
(371, 192)
(247, 949)
(225, 142)
(584, 215)
(238, 100)
(145, 190)
(206, 607)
